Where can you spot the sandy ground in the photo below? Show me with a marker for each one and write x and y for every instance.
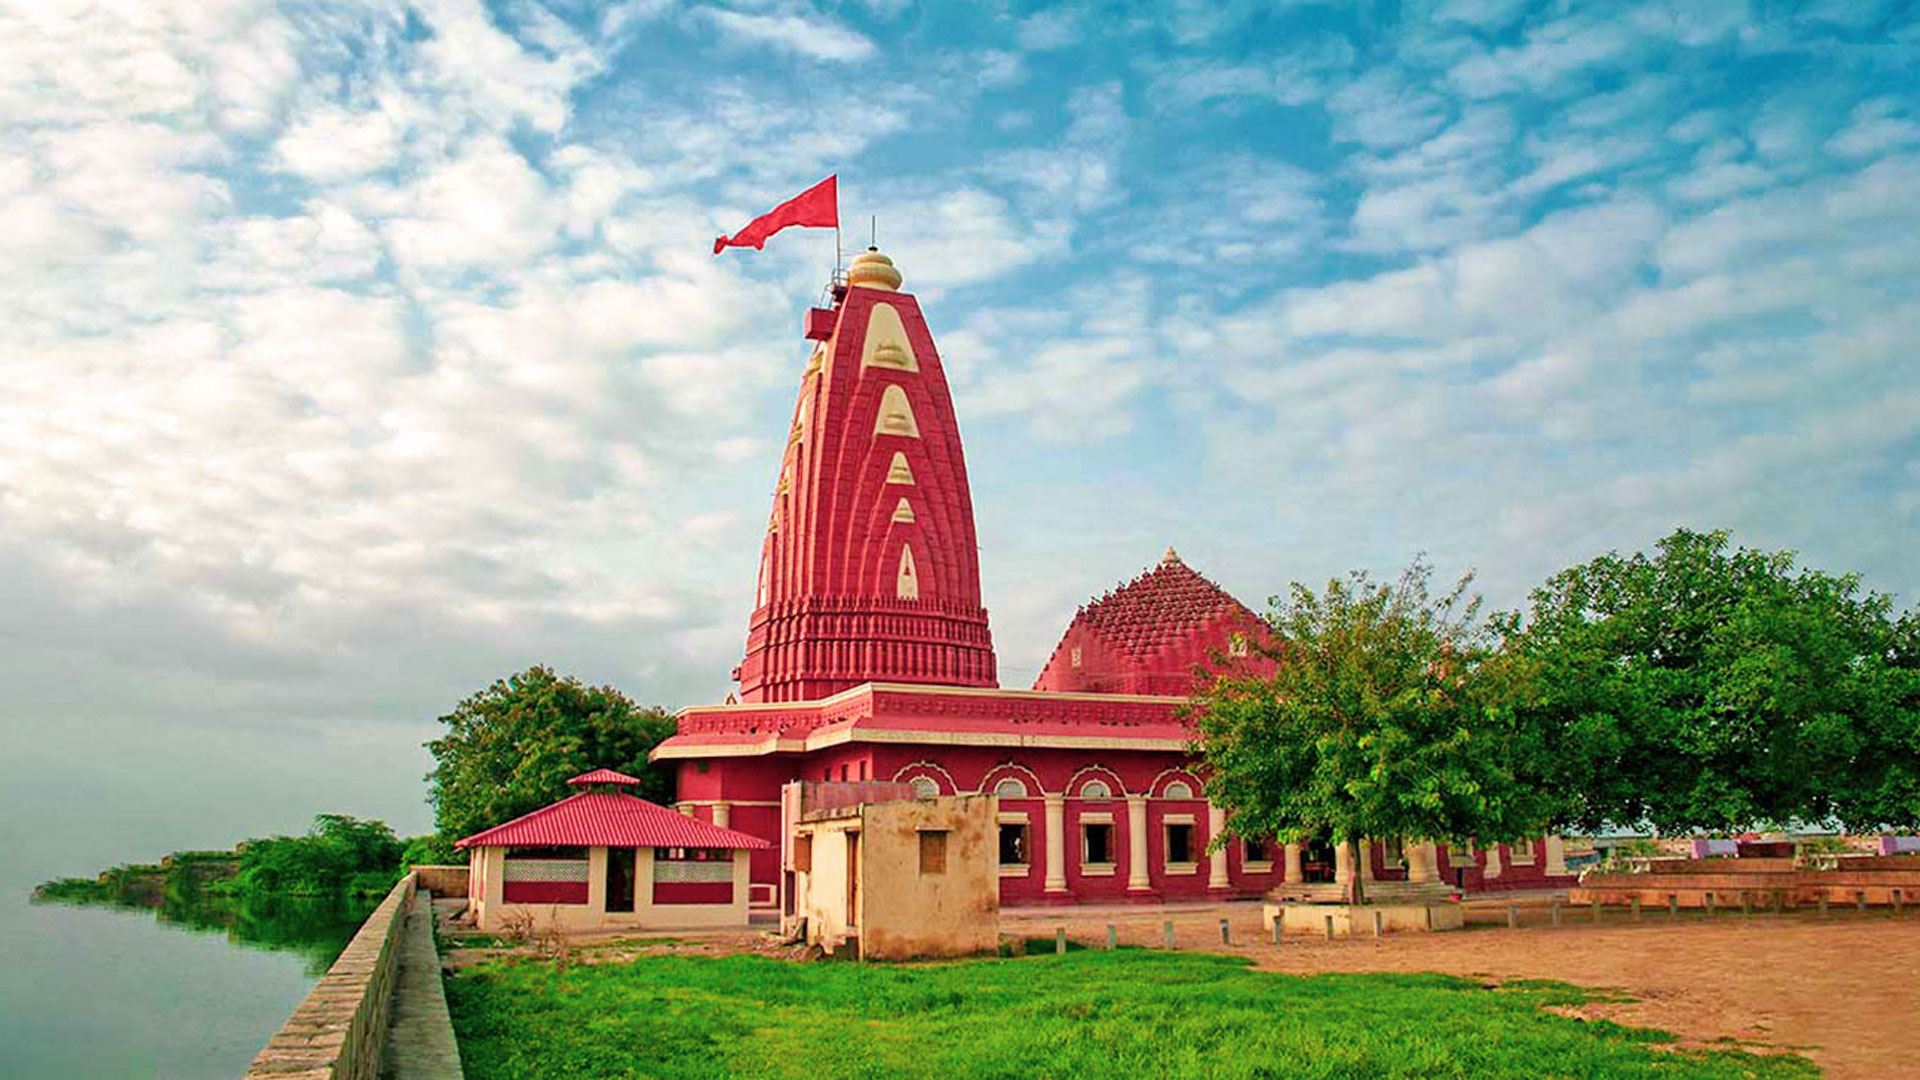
(1844, 992)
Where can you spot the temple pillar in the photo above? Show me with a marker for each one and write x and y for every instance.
(1137, 879)
(1366, 860)
(1217, 854)
(1556, 855)
(723, 814)
(1422, 862)
(1343, 862)
(1293, 874)
(1056, 843)
(1493, 867)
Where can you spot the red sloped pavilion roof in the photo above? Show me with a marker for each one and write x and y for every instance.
(604, 776)
(594, 819)
(1161, 607)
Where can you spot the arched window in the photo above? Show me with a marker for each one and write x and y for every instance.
(1096, 789)
(1010, 788)
(925, 787)
(1178, 789)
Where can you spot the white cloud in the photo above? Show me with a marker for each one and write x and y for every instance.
(333, 144)
(815, 39)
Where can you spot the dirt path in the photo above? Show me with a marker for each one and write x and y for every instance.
(1846, 993)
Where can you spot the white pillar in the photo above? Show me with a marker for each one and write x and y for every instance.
(1343, 862)
(1137, 879)
(1493, 867)
(1293, 874)
(1217, 857)
(596, 881)
(723, 814)
(1366, 860)
(1556, 855)
(1056, 843)
(1422, 862)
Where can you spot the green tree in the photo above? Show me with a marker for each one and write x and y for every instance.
(340, 854)
(1382, 718)
(510, 748)
(1702, 688)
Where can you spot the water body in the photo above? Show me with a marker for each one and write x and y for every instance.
(190, 989)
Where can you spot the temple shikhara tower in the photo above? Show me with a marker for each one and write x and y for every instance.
(869, 658)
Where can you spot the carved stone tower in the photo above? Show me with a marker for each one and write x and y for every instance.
(870, 571)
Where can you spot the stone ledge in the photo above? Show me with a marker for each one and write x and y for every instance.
(1356, 920)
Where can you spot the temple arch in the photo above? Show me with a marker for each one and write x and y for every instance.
(1029, 781)
(1176, 779)
(1099, 775)
(896, 415)
(932, 772)
(906, 583)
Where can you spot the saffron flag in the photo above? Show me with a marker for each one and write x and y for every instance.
(816, 207)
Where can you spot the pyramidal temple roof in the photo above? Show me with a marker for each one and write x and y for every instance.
(592, 819)
(1163, 606)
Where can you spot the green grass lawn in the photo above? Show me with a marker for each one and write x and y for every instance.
(1128, 1014)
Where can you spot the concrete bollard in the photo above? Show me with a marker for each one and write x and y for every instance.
(1745, 903)
(1596, 913)
(1556, 911)
(1636, 909)
(1823, 905)
(1060, 942)
(1513, 916)
(1113, 937)
(1329, 928)
(1779, 901)
(1226, 935)
(1898, 902)
(1379, 925)
(1711, 910)
(1673, 907)
(1166, 929)
(1860, 901)
(1276, 929)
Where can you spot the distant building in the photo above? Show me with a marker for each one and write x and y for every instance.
(869, 658)
(605, 860)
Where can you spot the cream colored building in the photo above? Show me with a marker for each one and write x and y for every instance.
(878, 868)
(606, 860)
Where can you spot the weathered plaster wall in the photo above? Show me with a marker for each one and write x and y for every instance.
(905, 912)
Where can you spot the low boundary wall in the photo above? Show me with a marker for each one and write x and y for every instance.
(1874, 880)
(444, 882)
(338, 1031)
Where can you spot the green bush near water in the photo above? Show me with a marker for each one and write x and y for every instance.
(1129, 1014)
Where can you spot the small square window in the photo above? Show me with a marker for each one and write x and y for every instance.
(1180, 843)
(1096, 844)
(1257, 852)
(701, 767)
(933, 851)
(803, 854)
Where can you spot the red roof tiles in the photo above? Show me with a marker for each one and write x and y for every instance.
(595, 819)
(1161, 607)
(604, 776)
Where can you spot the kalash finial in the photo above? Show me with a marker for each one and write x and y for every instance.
(1170, 557)
(872, 270)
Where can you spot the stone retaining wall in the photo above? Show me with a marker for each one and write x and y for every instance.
(337, 1032)
(444, 882)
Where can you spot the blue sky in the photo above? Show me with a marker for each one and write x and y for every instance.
(360, 354)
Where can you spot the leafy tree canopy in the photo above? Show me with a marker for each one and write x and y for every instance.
(510, 748)
(340, 854)
(1382, 718)
(1702, 688)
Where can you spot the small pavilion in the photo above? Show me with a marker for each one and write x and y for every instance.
(605, 859)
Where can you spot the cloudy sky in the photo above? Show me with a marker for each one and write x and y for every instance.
(356, 355)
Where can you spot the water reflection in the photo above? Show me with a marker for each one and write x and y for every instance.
(318, 930)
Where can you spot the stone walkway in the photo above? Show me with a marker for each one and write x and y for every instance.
(420, 1043)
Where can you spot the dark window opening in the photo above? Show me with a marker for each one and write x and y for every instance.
(1013, 845)
(1179, 843)
(1098, 847)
